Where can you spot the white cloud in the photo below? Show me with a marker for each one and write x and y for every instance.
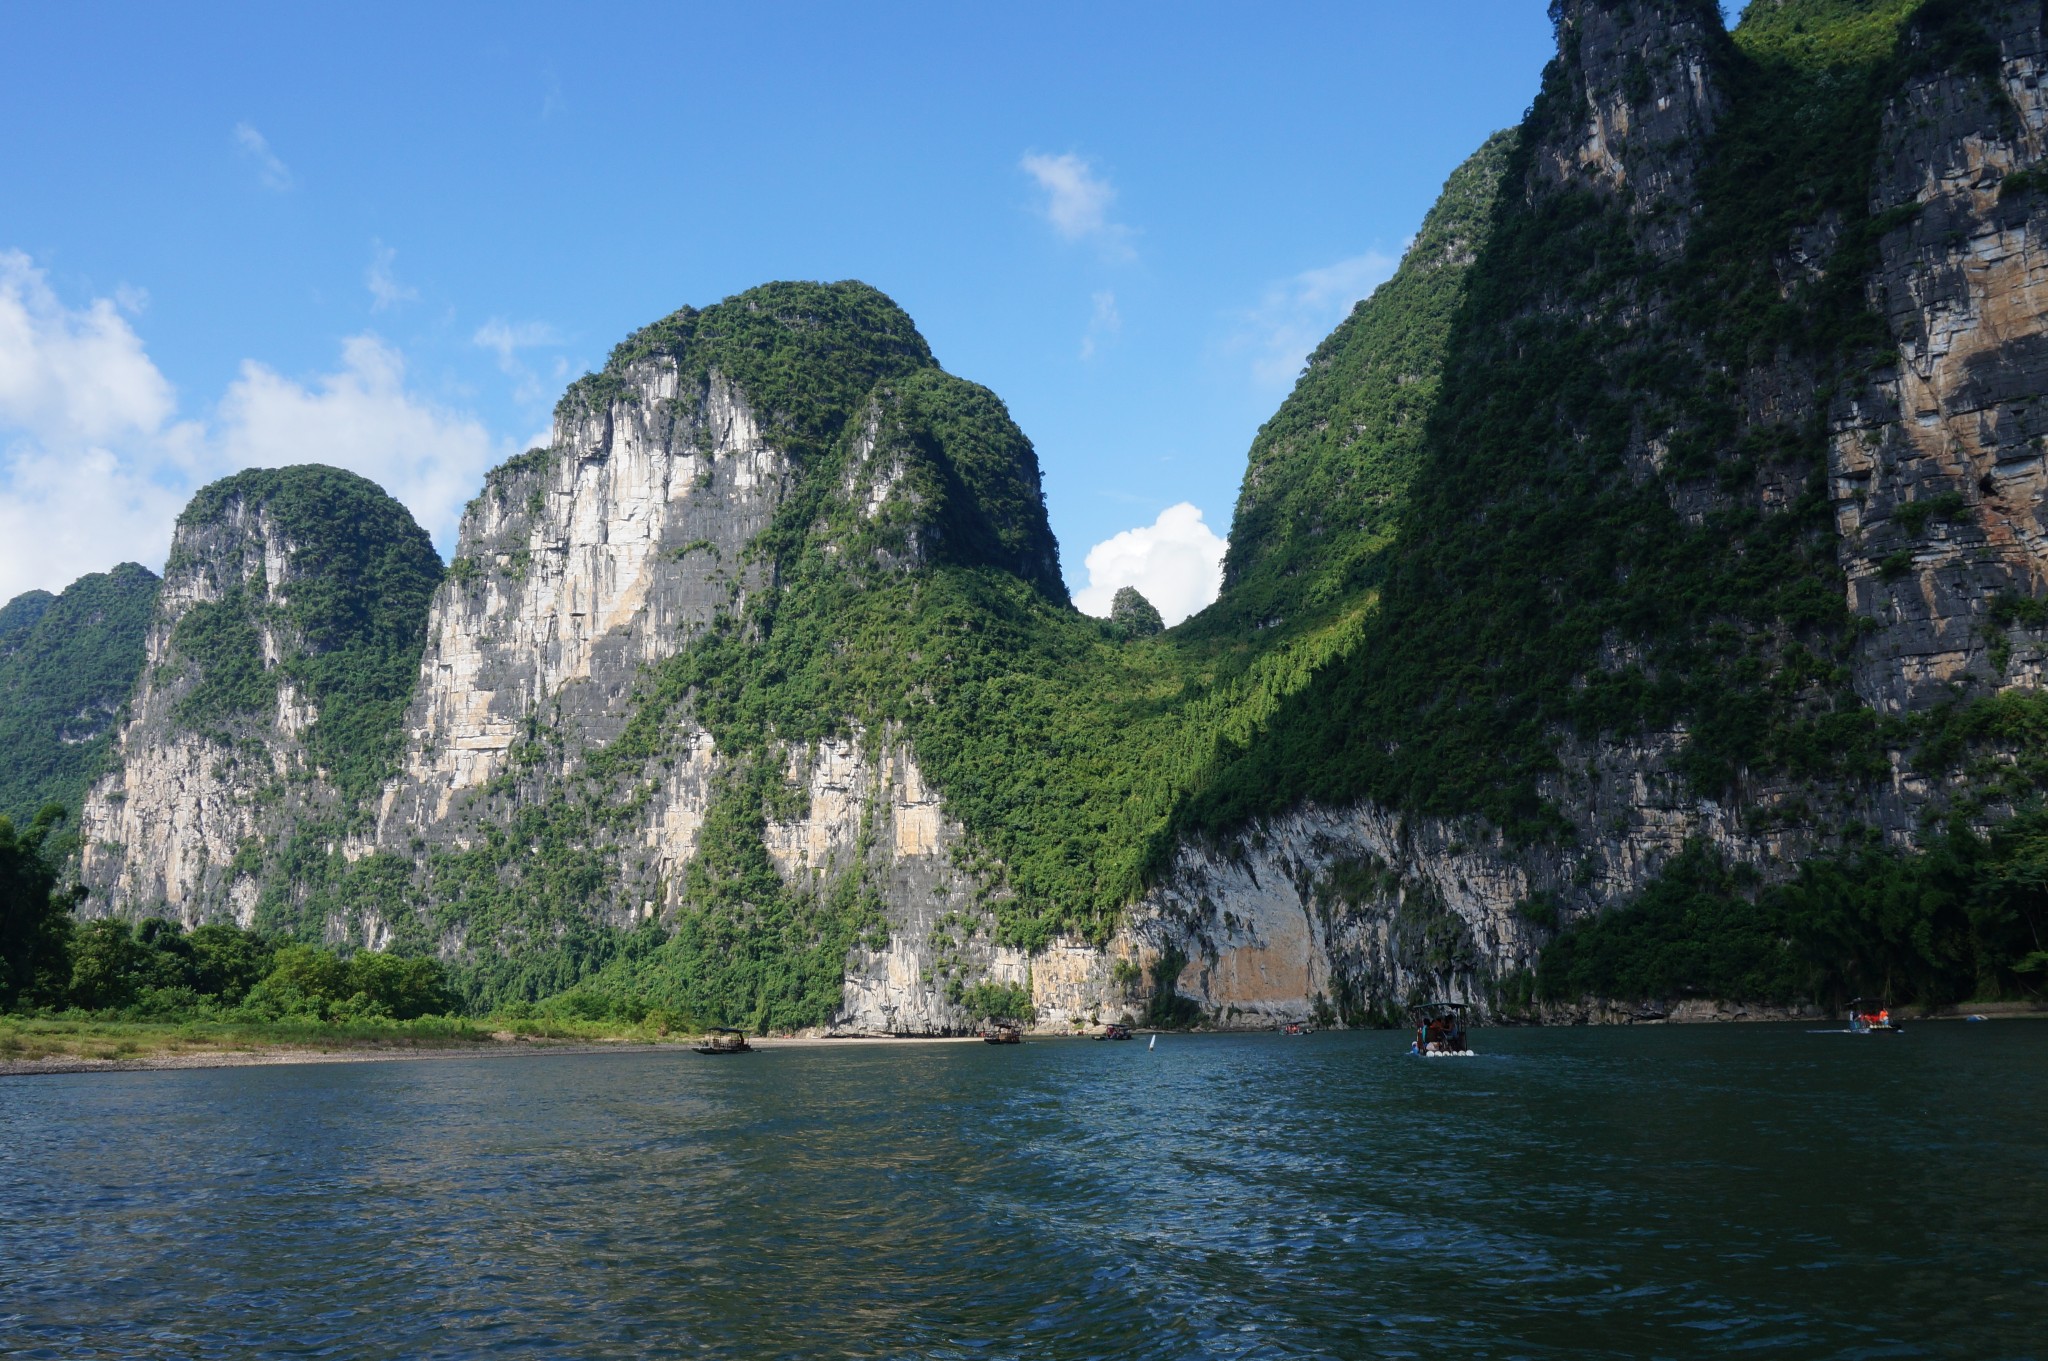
(506, 339)
(1294, 315)
(95, 461)
(1176, 562)
(71, 376)
(76, 384)
(274, 173)
(361, 418)
(385, 288)
(1105, 322)
(1077, 201)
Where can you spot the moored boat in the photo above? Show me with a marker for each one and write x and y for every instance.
(725, 1040)
(1002, 1032)
(1113, 1031)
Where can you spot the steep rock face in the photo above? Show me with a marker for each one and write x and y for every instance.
(164, 830)
(575, 766)
(869, 810)
(579, 564)
(1937, 472)
(1644, 81)
(289, 613)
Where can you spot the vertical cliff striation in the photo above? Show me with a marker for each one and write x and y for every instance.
(1634, 95)
(655, 748)
(1937, 466)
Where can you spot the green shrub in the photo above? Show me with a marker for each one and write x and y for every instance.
(1963, 918)
(998, 1002)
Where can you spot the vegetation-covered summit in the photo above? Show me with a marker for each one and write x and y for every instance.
(824, 364)
(348, 617)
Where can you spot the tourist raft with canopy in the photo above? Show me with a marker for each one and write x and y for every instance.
(1439, 1031)
(1870, 1016)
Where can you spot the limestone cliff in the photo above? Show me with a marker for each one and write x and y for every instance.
(287, 625)
(579, 564)
(1936, 469)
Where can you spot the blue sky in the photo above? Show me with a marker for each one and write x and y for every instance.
(386, 236)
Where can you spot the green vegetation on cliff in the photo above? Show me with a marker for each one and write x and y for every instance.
(1529, 499)
(1599, 541)
(1966, 917)
(155, 969)
(350, 613)
(1328, 477)
(68, 664)
(916, 592)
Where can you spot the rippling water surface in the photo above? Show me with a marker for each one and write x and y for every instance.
(1649, 1192)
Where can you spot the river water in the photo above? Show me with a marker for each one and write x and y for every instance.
(1570, 1193)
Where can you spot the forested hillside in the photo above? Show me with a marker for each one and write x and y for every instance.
(67, 666)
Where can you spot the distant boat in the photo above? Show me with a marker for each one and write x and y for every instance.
(1297, 1028)
(1152, 1043)
(1868, 1016)
(1439, 1031)
(1002, 1032)
(1113, 1031)
(725, 1040)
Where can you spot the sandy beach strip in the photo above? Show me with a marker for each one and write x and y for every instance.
(56, 1064)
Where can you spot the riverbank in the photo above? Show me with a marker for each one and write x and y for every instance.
(30, 1046)
(1711, 1011)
